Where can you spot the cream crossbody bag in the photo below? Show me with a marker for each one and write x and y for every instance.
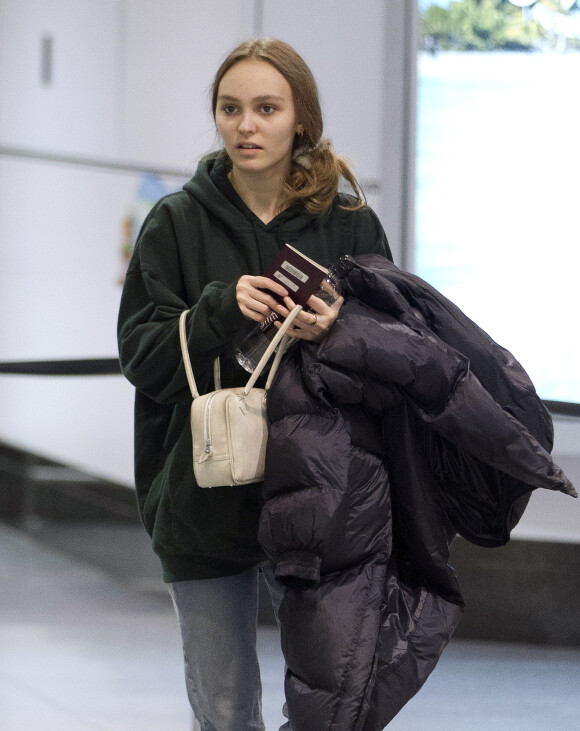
(228, 426)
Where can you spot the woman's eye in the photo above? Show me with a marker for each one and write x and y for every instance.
(229, 109)
(268, 109)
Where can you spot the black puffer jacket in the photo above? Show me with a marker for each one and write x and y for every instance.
(407, 425)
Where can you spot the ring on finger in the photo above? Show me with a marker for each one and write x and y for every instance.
(315, 320)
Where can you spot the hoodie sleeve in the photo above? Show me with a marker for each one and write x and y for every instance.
(156, 291)
(369, 235)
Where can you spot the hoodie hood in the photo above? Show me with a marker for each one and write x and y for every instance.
(211, 187)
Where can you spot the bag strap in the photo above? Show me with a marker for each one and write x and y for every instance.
(277, 359)
(270, 349)
(185, 354)
(217, 374)
(259, 368)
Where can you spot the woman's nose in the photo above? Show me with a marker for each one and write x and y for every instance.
(247, 122)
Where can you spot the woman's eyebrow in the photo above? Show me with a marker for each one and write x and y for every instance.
(267, 98)
(263, 98)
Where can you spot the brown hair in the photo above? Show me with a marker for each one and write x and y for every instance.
(316, 170)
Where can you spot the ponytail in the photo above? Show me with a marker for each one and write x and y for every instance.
(315, 177)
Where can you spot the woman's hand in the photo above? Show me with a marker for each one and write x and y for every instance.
(312, 326)
(255, 301)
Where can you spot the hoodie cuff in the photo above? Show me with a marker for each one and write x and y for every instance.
(231, 315)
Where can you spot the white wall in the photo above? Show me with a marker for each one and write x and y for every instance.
(76, 113)
(130, 82)
(59, 282)
(172, 50)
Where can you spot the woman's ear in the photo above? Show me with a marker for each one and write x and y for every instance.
(299, 130)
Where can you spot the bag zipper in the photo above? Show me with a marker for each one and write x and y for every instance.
(207, 424)
(207, 428)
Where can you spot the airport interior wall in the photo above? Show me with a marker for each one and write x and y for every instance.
(103, 108)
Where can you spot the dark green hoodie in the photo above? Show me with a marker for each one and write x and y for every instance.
(192, 249)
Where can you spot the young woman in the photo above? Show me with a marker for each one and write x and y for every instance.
(204, 249)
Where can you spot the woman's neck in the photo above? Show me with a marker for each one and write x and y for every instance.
(262, 194)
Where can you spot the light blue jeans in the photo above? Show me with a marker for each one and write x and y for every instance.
(218, 623)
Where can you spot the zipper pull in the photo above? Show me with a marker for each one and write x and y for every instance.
(207, 453)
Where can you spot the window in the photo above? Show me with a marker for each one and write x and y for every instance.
(498, 169)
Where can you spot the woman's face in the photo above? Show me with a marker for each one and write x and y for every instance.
(256, 119)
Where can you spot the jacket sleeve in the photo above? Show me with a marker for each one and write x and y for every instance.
(155, 293)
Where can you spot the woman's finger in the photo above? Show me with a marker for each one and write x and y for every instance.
(312, 324)
(255, 299)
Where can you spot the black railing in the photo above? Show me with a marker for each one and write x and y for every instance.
(562, 408)
(77, 367)
(111, 367)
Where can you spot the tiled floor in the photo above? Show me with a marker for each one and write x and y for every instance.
(80, 650)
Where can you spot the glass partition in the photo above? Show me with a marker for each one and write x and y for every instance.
(498, 175)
